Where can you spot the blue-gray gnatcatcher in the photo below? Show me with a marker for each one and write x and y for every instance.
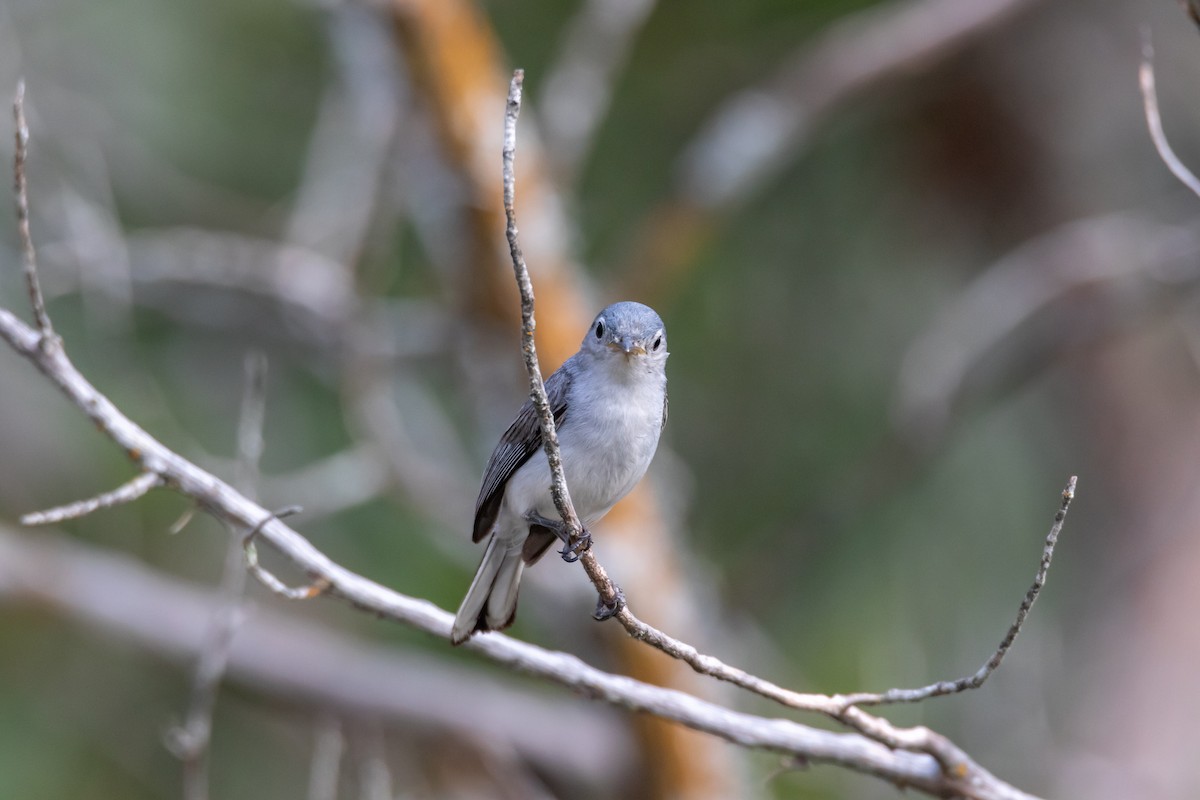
(610, 403)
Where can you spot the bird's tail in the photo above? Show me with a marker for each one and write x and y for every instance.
(491, 602)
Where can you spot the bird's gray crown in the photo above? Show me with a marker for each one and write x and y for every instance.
(630, 327)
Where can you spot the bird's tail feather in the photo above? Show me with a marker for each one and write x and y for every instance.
(491, 602)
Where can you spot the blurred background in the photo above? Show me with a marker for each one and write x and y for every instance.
(919, 263)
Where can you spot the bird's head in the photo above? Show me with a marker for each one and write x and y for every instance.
(628, 332)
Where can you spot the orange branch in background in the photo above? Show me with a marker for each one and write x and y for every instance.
(455, 60)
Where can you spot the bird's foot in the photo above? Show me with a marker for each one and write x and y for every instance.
(575, 546)
(608, 610)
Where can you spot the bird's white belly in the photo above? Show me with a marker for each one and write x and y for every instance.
(603, 462)
(603, 458)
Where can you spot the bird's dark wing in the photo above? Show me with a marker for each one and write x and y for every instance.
(522, 439)
(664, 422)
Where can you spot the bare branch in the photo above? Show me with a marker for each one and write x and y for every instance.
(125, 493)
(456, 64)
(351, 140)
(977, 679)
(1154, 122)
(20, 189)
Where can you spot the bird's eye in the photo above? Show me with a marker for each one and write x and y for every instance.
(657, 342)
(599, 329)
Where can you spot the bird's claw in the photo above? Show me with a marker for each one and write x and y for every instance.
(575, 547)
(608, 610)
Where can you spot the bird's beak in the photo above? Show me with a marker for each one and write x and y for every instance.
(628, 346)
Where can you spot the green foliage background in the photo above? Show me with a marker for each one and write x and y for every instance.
(867, 559)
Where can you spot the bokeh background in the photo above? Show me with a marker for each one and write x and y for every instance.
(919, 263)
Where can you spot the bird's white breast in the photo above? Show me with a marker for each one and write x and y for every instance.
(608, 438)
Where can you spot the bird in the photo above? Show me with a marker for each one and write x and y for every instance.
(609, 402)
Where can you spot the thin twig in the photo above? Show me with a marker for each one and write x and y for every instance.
(125, 493)
(20, 189)
(1154, 122)
(977, 679)
(537, 389)
(184, 519)
(314, 589)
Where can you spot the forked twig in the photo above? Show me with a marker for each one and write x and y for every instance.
(977, 679)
